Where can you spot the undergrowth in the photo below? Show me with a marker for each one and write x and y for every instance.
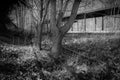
(90, 60)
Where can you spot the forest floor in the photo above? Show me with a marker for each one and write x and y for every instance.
(82, 59)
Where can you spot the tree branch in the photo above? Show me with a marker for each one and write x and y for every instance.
(53, 16)
(47, 4)
(61, 14)
(73, 15)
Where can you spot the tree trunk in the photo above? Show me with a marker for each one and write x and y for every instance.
(41, 25)
(36, 39)
(56, 49)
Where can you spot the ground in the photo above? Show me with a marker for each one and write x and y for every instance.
(82, 59)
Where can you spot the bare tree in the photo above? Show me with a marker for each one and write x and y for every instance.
(57, 28)
(42, 7)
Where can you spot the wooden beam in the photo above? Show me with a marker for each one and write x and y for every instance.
(99, 13)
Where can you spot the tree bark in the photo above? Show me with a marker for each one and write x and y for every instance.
(36, 36)
(41, 25)
(57, 45)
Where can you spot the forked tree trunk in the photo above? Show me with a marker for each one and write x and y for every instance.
(59, 31)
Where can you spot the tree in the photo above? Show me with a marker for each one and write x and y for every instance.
(59, 30)
(42, 8)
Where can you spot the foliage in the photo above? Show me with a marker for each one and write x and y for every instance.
(100, 57)
(91, 60)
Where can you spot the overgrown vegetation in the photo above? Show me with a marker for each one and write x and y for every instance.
(89, 60)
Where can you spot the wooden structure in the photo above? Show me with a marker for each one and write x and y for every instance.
(100, 21)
